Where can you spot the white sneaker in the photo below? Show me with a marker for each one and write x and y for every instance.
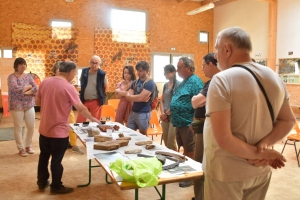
(76, 149)
(29, 150)
(22, 153)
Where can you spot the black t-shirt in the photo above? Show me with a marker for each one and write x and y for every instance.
(200, 112)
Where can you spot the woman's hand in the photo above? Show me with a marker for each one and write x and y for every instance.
(163, 117)
(28, 92)
(26, 88)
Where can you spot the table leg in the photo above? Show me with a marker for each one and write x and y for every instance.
(163, 192)
(163, 196)
(90, 174)
(106, 179)
(136, 193)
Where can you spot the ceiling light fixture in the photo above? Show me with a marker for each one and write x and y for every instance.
(201, 9)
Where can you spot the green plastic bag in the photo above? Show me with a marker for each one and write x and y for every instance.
(144, 171)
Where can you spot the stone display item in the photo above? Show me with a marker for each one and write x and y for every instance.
(121, 135)
(150, 146)
(140, 143)
(102, 138)
(106, 146)
(133, 150)
(124, 138)
(111, 145)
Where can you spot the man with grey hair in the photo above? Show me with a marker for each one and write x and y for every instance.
(182, 111)
(240, 126)
(94, 85)
(57, 96)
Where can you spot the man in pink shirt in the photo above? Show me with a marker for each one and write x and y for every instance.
(56, 96)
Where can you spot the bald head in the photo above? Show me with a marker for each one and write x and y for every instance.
(95, 57)
(95, 63)
(237, 37)
(233, 45)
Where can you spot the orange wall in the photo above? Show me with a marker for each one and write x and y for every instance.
(168, 24)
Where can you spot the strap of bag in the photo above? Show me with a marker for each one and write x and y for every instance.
(262, 89)
(134, 86)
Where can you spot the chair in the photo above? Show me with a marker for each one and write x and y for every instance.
(5, 104)
(154, 126)
(108, 111)
(114, 103)
(293, 138)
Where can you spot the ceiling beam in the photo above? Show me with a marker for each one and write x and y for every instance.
(267, 0)
(181, 1)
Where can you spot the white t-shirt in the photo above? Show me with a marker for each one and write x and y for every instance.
(237, 90)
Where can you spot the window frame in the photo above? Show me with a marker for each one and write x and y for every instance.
(61, 20)
(133, 10)
(171, 54)
(2, 49)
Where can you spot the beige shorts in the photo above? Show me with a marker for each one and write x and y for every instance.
(251, 189)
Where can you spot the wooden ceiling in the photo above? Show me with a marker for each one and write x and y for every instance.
(218, 2)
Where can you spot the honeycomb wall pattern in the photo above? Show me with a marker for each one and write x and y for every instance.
(42, 46)
(115, 55)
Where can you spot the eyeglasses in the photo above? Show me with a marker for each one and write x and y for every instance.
(94, 63)
(203, 65)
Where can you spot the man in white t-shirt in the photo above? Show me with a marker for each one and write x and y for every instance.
(239, 131)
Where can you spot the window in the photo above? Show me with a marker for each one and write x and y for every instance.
(160, 60)
(5, 53)
(61, 29)
(128, 26)
(61, 24)
(203, 37)
(78, 76)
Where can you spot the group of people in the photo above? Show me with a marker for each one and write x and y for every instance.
(229, 124)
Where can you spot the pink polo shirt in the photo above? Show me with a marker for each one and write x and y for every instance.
(57, 97)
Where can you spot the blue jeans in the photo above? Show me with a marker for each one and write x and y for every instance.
(138, 121)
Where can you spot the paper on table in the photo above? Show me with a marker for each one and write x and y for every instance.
(108, 157)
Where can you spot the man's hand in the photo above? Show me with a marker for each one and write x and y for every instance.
(272, 158)
(146, 99)
(96, 120)
(275, 163)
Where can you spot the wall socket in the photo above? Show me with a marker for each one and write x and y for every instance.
(290, 53)
(173, 48)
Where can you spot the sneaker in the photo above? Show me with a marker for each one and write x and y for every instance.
(22, 153)
(42, 187)
(76, 149)
(29, 150)
(61, 190)
(185, 184)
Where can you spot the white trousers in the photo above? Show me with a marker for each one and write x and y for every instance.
(29, 117)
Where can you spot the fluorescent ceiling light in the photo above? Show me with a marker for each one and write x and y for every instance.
(202, 9)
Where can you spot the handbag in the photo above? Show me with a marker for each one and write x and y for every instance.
(262, 89)
(198, 125)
